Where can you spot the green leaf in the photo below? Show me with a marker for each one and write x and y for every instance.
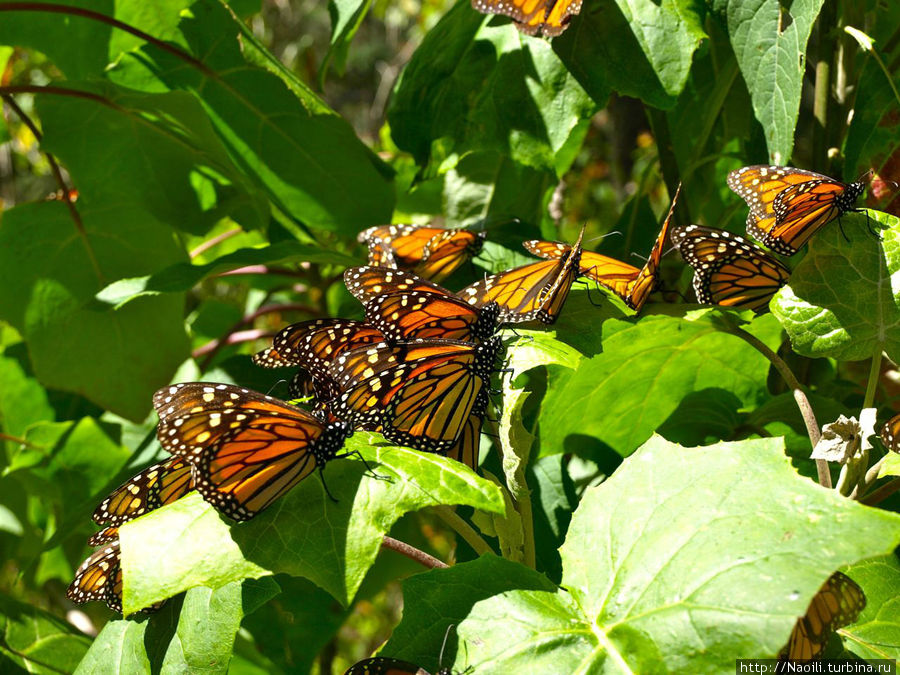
(443, 597)
(121, 645)
(23, 401)
(876, 633)
(769, 39)
(474, 86)
(305, 534)
(553, 497)
(891, 466)
(665, 572)
(35, 641)
(491, 186)
(639, 48)
(183, 276)
(49, 272)
(646, 368)
(346, 17)
(840, 301)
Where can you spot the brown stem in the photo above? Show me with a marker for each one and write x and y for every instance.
(213, 346)
(16, 439)
(108, 20)
(206, 245)
(882, 493)
(806, 411)
(412, 553)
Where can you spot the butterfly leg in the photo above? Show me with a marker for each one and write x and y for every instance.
(325, 485)
(875, 233)
(369, 470)
(841, 228)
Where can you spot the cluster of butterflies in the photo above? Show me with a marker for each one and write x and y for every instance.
(547, 17)
(418, 368)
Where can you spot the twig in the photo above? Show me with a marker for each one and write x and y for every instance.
(463, 529)
(412, 553)
(882, 493)
(806, 411)
(16, 439)
(215, 241)
(213, 346)
(874, 376)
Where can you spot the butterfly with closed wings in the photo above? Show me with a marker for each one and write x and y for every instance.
(788, 205)
(246, 449)
(431, 252)
(729, 270)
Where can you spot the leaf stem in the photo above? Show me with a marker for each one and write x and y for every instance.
(868, 45)
(806, 411)
(882, 493)
(874, 376)
(412, 553)
(463, 529)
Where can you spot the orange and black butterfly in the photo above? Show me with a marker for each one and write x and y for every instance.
(99, 578)
(549, 17)
(152, 488)
(890, 433)
(246, 449)
(788, 205)
(837, 604)
(368, 282)
(631, 284)
(535, 291)
(419, 394)
(431, 252)
(729, 270)
(429, 316)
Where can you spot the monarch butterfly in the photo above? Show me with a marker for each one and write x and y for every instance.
(367, 282)
(837, 604)
(104, 536)
(550, 17)
(99, 578)
(890, 433)
(432, 252)
(152, 488)
(419, 394)
(788, 205)
(408, 316)
(466, 448)
(382, 665)
(535, 291)
(729, 270)
(246, 449)
(631, 284)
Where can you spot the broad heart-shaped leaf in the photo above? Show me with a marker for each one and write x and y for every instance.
(436, 600)
(49, 273)
(769, 38)
(647, 366)
(682, 561)
(473, 85)
(640, 48)
(34, 641)
(305, 534)
(183, 276)
(876, 634)
(194, 635)
(843, 299)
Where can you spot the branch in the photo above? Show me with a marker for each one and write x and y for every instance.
(463, 529)
(412, 553)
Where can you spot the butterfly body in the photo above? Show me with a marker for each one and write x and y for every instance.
(383, 665)
(548, 17)
(729, 270)
(788, 205)
(431, 252)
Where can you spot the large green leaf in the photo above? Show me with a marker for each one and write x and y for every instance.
(305, 534)
(665, 572)
(195, 635)
(840, 301)
(436, 600)
(34, 641)
(639, 48)
(645, 370)
(769, 38)
(346, 16)
(50, 270)
(22, 399)
(472, 85)
(876, 633)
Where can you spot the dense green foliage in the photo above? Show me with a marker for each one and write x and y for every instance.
(646, 501)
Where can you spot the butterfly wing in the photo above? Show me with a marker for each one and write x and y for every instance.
(99, 578)
(729, 270)
(837, 604)
(788, 205)
(382, 665)
(367, 282)
(648, 278)
(608, 272)
(150, 489)
(890, 433)
(549, 17)
(409, 316)
(535, 291)
(446, 252)
(419, 395)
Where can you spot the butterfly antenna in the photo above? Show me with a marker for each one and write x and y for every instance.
(444, 645)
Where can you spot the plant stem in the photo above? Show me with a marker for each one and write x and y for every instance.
(806, 411)
(882, 493)
(874, 376)
(825, 50)
(412, 553)
(463, 529)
